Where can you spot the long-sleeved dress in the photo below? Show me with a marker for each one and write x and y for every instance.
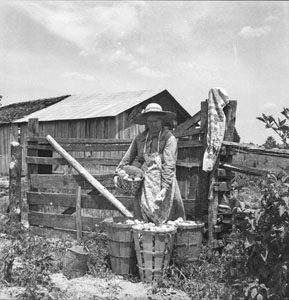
(156, 156)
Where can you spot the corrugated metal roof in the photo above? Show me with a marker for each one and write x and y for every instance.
(91, 106)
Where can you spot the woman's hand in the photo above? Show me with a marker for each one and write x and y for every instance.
(161, 195)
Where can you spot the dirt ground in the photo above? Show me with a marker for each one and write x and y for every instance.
(87, 287)
(90, 288)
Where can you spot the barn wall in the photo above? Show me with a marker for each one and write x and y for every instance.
(102, 128)
(8, 133)
(120, 126)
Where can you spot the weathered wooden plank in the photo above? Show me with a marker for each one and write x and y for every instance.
(189, 144)
(69, 211)
(68, 200)
(78, 214)
(189, 164)
(57, 181)
(32, 130)
(230, 112)
(192, 162)
(189, 123)
(246, 148)
(52, 232)
(62, 141)
(15, 180)
(62, 161)
(61, 221)
(91, 201)
(83, 147)
(105, 146)
(244, 169)
(203, 176)
(190, 131)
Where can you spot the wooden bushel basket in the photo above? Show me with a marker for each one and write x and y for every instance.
(153, 250)
(188, 242)
(121, 246)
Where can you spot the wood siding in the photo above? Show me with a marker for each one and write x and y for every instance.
(8, 133)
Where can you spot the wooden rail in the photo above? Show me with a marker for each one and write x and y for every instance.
(246, 148)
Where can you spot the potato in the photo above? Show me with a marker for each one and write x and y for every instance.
(132, 170)
(121, 173)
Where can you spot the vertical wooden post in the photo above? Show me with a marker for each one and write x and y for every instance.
(78, 214)
(203, 176)
(230, 112)
(214, 196)
(15, 168)
(33, 131)
(213, 199)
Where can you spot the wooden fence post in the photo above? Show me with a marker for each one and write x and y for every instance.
(214, 196)
(213, 199)
(15, 168)
(204, 176)
(78, 214)
(33, 131)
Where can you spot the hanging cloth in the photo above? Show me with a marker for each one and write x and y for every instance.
(152, 210)
(218, 99)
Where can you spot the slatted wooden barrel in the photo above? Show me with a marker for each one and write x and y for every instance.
(121, 246)
(153, 250)
(188, 243)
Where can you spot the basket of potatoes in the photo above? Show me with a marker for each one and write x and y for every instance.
(129, 180)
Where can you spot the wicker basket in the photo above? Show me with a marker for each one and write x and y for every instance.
(188, 243)
(129, 187)
(153, 251)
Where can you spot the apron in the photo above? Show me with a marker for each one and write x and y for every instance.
(157, 212)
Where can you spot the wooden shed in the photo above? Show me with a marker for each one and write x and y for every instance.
(9, 131)
(102, 116)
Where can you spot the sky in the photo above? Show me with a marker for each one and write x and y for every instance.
(54, 48)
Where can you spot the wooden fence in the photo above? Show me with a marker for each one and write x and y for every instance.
(53, 195)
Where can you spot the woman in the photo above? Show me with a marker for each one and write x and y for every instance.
(155, 152)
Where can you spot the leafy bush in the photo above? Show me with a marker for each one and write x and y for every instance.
(265, 237)
(29, 260)
(281, 127)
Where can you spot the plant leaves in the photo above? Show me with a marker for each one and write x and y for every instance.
(282, 210)
(286, 200)
(271, 119)
(247, 243)
(259, 297)
(254, 293)
(264, 256)
(282, 122)
(261, 119)
(285, 112)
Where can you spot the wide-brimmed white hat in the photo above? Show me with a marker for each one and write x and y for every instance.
(154, 108)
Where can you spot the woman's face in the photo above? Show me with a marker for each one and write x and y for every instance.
(154, 123)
